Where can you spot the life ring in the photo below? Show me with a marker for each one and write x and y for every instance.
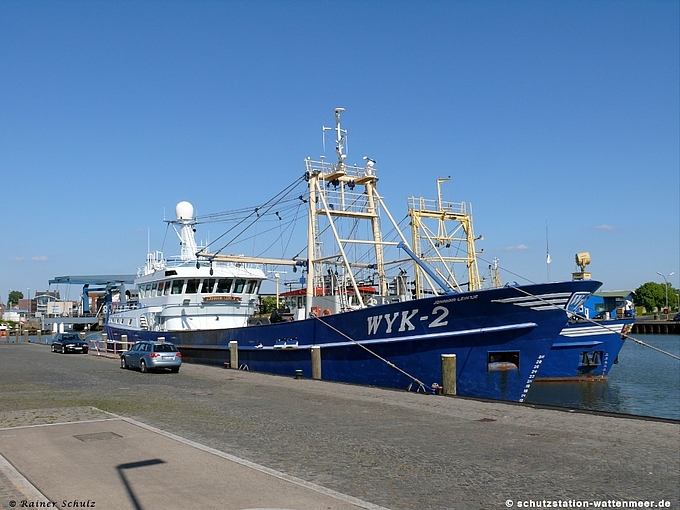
(326, 312)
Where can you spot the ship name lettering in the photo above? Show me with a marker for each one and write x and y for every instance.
(439, 321)
(390, 322)
(454, 299)
(373, 323)
(405, 324)
(406, 320)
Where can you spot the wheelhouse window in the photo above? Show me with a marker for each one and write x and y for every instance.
(208, 285)
(192, 286)
(154, 288)
(168, 286)
(239, 284)
(224, 285)
(160, 288)
(177, 286)
(251, 287)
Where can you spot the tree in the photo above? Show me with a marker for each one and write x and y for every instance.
(14, 297)
(268, 304)
(652, 296)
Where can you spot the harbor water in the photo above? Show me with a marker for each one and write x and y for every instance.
(644, 382)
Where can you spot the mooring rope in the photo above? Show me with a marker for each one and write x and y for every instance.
(587, 319)
(389, 363)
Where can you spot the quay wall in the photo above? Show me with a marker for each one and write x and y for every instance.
(656, 327)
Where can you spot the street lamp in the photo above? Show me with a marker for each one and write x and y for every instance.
(666, 284)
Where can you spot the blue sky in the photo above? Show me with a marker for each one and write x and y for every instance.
(565, 113)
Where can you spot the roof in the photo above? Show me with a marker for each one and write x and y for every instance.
(101, 279)
(614, 293)
(319, 291)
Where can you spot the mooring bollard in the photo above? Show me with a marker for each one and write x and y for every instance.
(316, 362)
(448, 374)
(298, 374)
(233, 354)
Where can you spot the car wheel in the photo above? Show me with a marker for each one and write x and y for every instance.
(174, 370)
(142, 366)
(123, 364)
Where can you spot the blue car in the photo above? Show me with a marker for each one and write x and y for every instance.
(676, 317)
(152, 355)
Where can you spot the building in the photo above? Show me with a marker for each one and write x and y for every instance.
(610, 304)
(28, 305)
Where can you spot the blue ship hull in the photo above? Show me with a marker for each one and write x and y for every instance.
(500, 337)
(585, 350)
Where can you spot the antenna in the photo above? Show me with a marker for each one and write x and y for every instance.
(341, 137)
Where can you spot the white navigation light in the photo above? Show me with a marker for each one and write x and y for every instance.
(184, 211)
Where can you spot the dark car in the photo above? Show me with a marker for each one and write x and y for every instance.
(676, 317)
(69, 342)
(151, 355)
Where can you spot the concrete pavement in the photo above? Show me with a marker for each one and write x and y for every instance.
(116, 462)
(394, 449)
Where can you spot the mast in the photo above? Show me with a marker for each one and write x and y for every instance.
(312, 177)
(377, 237)
(334, 194)
(434, 240)
(184, 214)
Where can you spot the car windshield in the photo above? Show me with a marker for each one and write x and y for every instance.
(164, 348)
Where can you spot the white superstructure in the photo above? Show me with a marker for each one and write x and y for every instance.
(185, 294)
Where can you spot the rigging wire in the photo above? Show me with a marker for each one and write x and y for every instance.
(270, 204)
(625, 335)
(421, 385)
(508, 271)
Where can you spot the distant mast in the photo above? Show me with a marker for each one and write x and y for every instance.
(547, 249)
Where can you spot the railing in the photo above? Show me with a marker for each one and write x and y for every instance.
(432, 205)
(109, 348)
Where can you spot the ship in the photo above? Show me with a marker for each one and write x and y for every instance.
(587, 348)
(442, 233)
(353, 316)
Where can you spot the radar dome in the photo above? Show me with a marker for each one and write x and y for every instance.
(184, 211)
